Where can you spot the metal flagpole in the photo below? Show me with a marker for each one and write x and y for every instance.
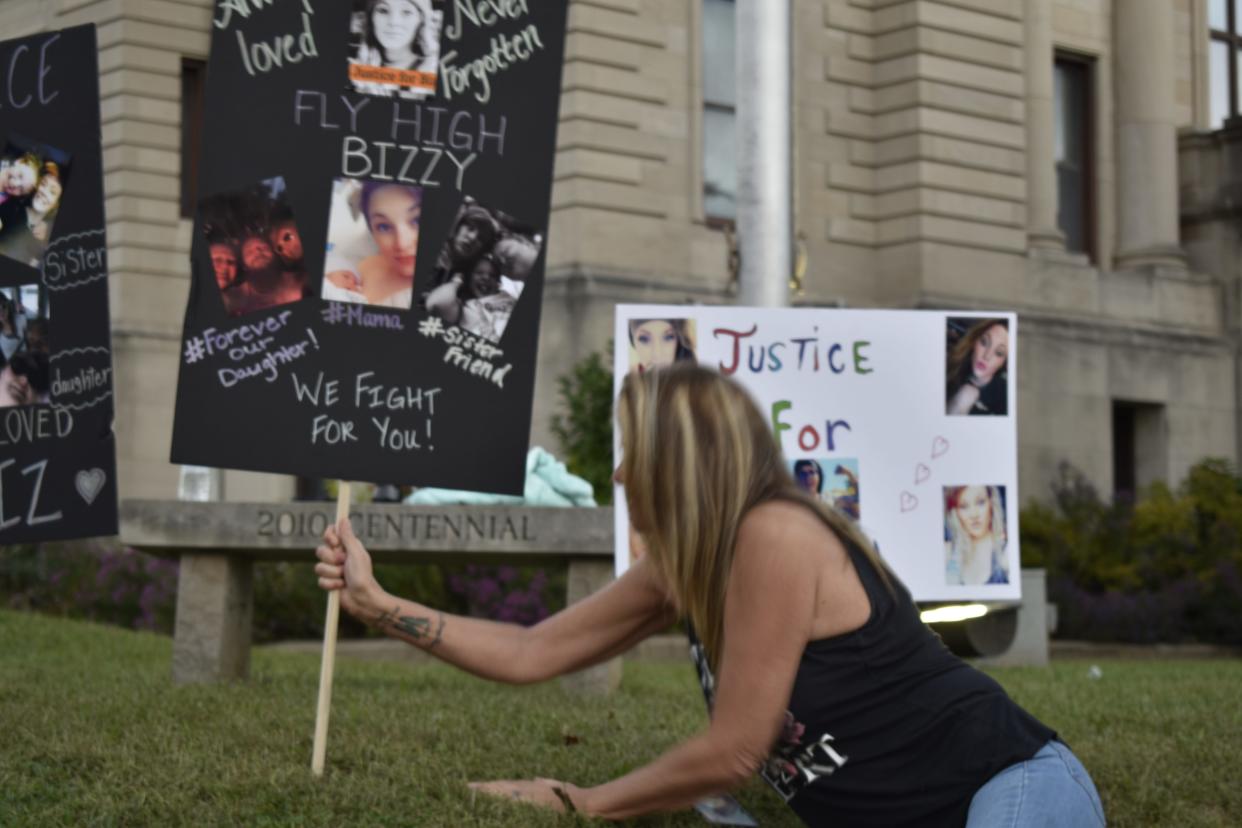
(764, 151)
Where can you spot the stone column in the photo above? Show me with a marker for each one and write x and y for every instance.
(1147, 195)
(215, 607)
(586, 576)
(1041, 172)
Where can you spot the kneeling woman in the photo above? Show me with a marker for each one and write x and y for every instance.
(818, 672)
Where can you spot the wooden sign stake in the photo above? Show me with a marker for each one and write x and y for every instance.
(328, 663)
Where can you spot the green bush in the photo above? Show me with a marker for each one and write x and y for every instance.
(584, 429)
(1166, 566)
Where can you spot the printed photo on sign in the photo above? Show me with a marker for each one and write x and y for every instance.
(975, 538)
(254, 247)
(977, 375)
(656, 342)
(395, 47)
(372, 243)
(482, 269)
(32, 180)
(832, 480)
(25, 378)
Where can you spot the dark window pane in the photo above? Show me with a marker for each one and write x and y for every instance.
(1124, 478)
(1072, 131)
(1069, 111)
(1218, 82)
(1236, 109)
(719, 163)
(1218, 14)
(1071, 217)
(193, 86)
(719, 42)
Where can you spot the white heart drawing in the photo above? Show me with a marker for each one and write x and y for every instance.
(939, 447)
(909, 502)
(921, 473)
(90, 483)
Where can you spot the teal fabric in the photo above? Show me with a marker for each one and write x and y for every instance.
(548, 483)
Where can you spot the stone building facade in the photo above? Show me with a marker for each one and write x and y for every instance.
(1059, 158)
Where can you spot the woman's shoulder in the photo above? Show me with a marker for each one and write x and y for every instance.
(785, 524)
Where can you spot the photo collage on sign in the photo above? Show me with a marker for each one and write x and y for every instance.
(25, 377)
(32, 180)
(976, 385)
(482, 269)
(255, 248)
(395, 47)
(373, 224)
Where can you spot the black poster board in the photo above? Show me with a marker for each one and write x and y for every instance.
(369, 249)
(57, 449)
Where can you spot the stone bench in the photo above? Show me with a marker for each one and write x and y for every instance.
(218, 544)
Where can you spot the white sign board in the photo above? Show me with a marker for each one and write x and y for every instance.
(903, 419)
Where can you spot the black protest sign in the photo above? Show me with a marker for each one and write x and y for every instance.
(57, 450)
(368, 255)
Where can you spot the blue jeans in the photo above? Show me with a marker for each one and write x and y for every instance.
(1051, 789)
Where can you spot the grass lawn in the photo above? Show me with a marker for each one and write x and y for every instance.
(94, 733)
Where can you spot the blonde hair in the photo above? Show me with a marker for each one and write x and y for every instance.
(697, 455)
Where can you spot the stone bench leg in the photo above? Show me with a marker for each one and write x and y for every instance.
(587, 576)
(215, 606)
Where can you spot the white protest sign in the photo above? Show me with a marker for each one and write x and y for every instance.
(903, 419)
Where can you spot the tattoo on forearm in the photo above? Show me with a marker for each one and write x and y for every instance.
(439, 634)
(417, 628)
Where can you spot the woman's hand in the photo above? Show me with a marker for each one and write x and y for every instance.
(542, 792)
(344, 564)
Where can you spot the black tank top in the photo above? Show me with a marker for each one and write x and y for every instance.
(885, 726)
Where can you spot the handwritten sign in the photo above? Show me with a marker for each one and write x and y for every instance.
(57, 450)
(368, 254)
(899, 419)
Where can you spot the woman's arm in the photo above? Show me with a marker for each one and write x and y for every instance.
(592, 630)
(769, 610)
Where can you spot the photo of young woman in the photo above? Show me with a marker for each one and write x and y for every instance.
(254, 248)
(975, 536)
(395, 47)
(32, 180)
(977, 378)
(372, 243)
(656, 342)
(482, 270)
(839, 486)
(24, 346)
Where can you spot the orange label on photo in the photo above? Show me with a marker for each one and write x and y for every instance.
(394, 77)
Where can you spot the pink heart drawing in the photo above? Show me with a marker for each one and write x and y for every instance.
(921, 473)
(940, 447)
(909, 502)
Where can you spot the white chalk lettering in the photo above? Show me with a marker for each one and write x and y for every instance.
(358, 161)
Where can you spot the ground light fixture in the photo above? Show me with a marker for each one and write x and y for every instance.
(953, 612)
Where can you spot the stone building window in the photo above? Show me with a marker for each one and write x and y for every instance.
(1224, 60)
(719, 112)
(1073, 114)
(1140, 446)
(193, 89)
